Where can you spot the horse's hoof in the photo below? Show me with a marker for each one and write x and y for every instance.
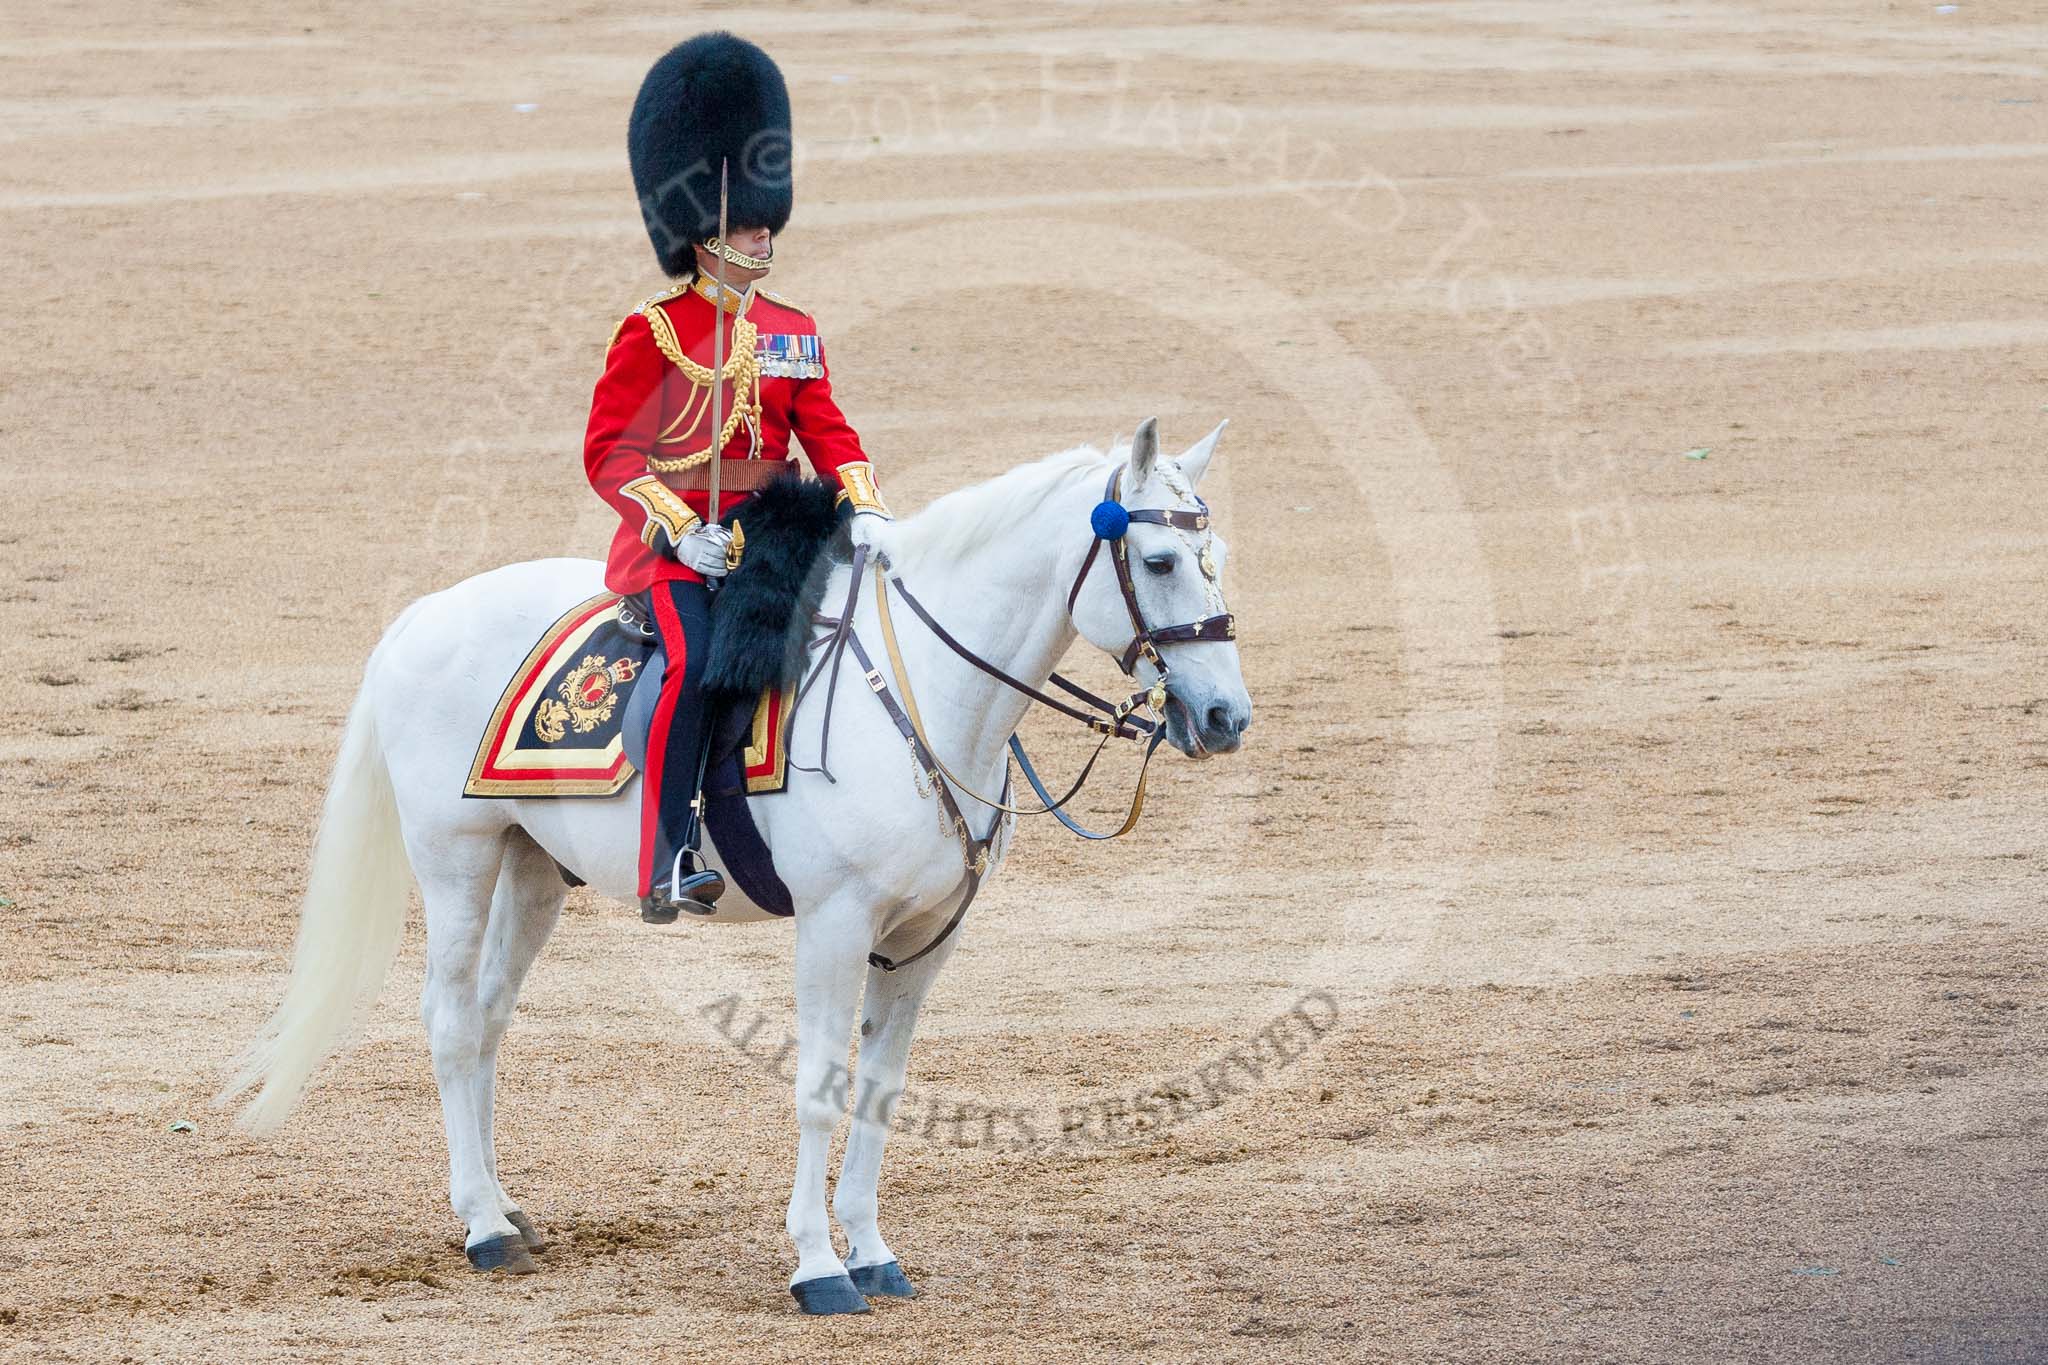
(828, 1294)
(507, 1253)
(528, 1233)
(886, 1281)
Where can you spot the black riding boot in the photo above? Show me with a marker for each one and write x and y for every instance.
(676, 881)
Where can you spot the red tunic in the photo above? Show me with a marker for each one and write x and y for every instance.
(648, 410)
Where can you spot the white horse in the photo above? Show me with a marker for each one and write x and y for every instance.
(868, 866)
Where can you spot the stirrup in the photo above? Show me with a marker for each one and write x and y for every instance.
(696, 893)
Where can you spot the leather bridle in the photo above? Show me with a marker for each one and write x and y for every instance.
(1145, 641)
(1110, 520)
(1118, 720)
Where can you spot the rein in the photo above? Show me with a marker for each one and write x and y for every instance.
(1118, 720)
(1119, 724)
(974, 852)
(1110, 520)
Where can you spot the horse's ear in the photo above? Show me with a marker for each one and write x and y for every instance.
(1194, 461)
(1144, 454)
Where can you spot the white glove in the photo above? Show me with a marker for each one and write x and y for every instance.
(868, 528)
(704, 550)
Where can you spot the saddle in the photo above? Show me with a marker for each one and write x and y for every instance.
(573, 720)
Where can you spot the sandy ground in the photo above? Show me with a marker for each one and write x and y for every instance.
(1654, 841)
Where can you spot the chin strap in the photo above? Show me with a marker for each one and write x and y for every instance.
(739, 260)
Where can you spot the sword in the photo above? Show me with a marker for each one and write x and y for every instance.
(693, 828)
(718, 351)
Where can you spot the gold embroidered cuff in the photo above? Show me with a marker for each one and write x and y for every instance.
(858, 488)
(667, 514)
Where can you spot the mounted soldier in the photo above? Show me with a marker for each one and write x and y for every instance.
(704, 385)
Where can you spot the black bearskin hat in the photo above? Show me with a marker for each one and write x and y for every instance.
(710, 97)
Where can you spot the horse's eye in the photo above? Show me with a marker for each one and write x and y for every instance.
(1161, 564)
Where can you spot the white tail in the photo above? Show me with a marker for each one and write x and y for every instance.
(349, 926)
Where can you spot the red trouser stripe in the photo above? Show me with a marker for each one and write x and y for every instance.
(677, 647)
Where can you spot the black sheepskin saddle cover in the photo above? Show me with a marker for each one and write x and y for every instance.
(761, 614)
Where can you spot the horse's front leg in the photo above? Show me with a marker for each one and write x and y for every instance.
(831, 953)
(888, 1018)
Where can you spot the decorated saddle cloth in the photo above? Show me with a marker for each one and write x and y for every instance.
(574, 717)
(561, 727)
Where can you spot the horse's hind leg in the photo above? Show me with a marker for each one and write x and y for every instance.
(457, 874)
(524, 908)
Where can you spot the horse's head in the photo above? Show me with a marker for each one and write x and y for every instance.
(1154, 602)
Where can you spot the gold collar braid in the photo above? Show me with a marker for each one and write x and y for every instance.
(742, 371)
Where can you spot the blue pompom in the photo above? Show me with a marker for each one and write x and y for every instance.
(1110, 520)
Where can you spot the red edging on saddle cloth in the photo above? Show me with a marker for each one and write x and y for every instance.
(556, 729)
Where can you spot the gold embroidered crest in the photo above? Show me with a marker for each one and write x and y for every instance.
(591, 691)
(550, 720)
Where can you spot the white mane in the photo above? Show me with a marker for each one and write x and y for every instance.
(972, 516)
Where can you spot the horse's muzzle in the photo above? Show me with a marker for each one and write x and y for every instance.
(1217, 728)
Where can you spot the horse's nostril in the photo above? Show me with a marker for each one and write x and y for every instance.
(1221, 721)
